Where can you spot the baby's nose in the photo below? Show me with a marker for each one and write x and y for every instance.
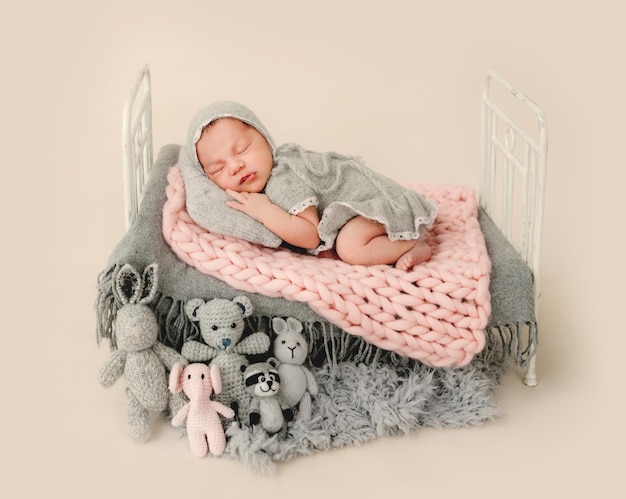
(236, 164)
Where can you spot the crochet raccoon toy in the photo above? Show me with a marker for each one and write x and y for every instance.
(263, 383)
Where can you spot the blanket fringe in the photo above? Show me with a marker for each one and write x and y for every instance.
(517, 342)
(328, 344)
(106, 307)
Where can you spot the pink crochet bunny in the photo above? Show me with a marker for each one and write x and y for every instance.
(204, 427)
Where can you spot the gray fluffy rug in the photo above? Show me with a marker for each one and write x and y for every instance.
(359, 402)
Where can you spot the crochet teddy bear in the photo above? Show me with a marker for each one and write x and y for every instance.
(204, 427)
(297, 381)
(263, 383)
(221, 327)
(140, 357)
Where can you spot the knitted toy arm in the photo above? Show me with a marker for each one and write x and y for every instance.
(286, 410)
(113, 369)
(194, 351)
(255, 415)
(311, 383)
(288, 414)
(168, 355)
(254, 344)
(227, 412)
(181, 415)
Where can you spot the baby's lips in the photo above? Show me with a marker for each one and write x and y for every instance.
(247, 177)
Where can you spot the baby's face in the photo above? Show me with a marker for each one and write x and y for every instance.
(235, 156)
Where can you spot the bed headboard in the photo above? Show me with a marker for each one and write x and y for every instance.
(513, 170)
(137, 142)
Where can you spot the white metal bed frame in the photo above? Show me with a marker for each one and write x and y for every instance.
(512, 155)
(137, 142)
(517, 154)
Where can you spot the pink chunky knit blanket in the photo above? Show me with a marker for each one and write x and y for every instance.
(435, 313)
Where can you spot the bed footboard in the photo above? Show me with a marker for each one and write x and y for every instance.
(512, 191)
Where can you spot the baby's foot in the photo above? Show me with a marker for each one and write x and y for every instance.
(419, 253)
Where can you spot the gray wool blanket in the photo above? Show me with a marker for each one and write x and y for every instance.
(365, 392)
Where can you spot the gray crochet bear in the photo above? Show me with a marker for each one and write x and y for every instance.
(140, 357)
(297, 382)
(222, 326)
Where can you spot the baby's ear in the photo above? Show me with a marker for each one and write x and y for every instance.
(192, 307)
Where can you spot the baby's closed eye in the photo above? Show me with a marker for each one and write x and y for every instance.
(215, 168)
(243, 149)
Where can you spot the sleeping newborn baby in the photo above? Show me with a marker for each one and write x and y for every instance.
(239, 184)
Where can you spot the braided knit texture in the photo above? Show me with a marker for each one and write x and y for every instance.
(435, 313)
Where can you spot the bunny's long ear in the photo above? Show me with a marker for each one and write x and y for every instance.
(149, 283)
(127, 284)
(279, 325)
(294, 325)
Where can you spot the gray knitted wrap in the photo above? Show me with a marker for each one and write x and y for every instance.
(206, 202)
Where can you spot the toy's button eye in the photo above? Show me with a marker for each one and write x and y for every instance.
(283, 342)
(233, 325)
(202, 376)
(214, 327)
(189, 376)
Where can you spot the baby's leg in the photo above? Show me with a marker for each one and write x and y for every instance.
(365, 242)
(419, 253)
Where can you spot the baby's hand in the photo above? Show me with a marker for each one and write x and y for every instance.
(253, 204)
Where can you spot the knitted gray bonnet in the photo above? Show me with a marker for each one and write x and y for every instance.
(224, 109)
(206, 202)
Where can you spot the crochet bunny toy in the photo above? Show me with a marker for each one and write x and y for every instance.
(291, 349)
(204, 427)
(139, 356)
(221, 326)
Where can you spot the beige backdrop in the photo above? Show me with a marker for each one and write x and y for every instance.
(395, 82)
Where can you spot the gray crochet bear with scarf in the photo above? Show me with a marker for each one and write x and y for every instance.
(140, 357)
(222, 327)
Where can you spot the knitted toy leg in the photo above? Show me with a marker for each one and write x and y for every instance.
(197, 442)
(138, 418)
(216, 439)
(305, 406)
